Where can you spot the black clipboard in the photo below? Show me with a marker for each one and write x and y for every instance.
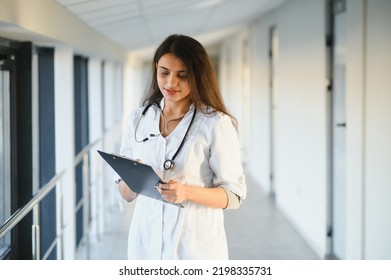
(141, 178)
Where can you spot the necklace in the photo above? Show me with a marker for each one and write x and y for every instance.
(166, 123)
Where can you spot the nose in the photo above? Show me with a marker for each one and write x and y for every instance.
(172, 80)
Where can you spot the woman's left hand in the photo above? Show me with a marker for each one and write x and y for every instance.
(173, 191)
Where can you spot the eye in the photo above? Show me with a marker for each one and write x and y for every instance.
(164, 72)
(182, 76)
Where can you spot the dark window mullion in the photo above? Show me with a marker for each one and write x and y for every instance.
(81, 132)
(47, 159)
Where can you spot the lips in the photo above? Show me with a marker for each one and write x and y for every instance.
(171, 91)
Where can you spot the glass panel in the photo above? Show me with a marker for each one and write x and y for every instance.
(5, 182)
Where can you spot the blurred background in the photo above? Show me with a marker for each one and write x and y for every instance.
(308, 80)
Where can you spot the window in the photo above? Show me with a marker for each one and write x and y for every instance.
(5, 160)
(15, 145)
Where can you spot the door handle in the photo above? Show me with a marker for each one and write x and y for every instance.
(341, 124)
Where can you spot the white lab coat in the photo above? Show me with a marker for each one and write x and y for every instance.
(210, 157)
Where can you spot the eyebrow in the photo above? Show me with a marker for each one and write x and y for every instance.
(180, 71)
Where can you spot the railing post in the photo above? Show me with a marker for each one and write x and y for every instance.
(60, 227)
(32, 206)
(86, 190)
(36, 233)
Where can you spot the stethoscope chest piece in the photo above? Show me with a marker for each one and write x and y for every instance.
(168, 164)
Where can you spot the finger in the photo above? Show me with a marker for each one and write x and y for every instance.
(165, 186)
(163, 191)
(159, 189)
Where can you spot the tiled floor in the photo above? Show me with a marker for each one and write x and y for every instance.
(112, 245)
(255, 231)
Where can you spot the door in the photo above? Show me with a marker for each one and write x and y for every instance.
(338, 130)
(273, 57)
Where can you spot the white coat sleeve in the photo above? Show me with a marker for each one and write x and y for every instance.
(225, 157)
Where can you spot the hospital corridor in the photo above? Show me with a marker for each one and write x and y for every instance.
(308, 82)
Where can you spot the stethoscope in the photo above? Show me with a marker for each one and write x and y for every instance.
(169, 163)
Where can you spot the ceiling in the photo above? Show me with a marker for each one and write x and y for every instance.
(140, 24)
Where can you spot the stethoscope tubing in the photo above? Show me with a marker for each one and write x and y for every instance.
(169, 163)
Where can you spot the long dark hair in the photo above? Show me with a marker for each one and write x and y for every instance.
(204, 89)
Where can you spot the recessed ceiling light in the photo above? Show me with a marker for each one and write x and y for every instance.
(207, 4)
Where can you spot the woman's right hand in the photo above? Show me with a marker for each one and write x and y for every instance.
(126, 192)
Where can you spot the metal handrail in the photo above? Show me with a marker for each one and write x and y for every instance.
(83, 157)
(32, 205)
(86, 149)
(22, 212)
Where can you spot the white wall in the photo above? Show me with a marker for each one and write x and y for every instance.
(65, 143)
(301, 168)
(232, 81)
(134, 84)
(368, 227)
(112, 117)
(301, 128)
(355, 100)
(301, 151)
(258, 160)
(378, 131)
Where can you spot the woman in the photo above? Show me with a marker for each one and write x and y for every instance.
(185, 133)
